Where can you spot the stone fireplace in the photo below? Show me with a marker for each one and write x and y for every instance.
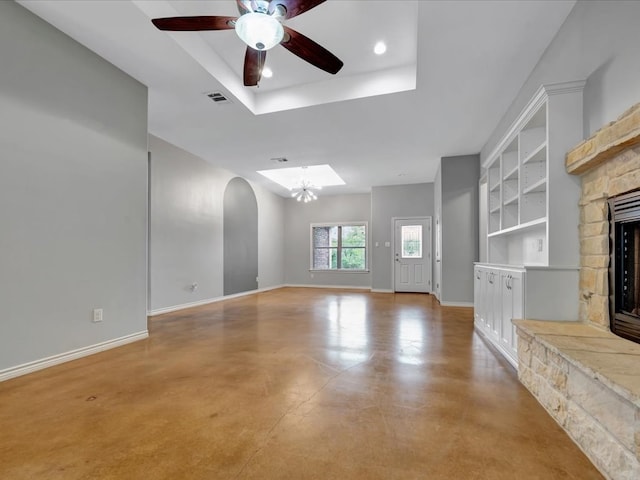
(587, 378)
(609, 163)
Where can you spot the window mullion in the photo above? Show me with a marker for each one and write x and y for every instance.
(339, 247)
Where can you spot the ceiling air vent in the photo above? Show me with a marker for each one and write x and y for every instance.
(279, 160)
(218, 97)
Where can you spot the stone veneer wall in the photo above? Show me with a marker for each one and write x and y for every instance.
(572, 370)
(609, 163)
(587, 378)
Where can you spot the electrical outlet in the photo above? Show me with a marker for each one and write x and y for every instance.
(97, 315)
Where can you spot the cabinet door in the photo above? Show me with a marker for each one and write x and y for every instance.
(517, 304)
(480, 297)
(512, 307)
(495, 308)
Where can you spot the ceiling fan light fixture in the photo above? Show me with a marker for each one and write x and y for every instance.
(259, 31)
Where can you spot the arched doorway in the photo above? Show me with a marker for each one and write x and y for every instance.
(240, 237)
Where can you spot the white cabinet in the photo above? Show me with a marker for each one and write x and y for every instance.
(531, 218)
(504, 293)
(512, 308)
(499, 293)
(479, 286)
(494, 294)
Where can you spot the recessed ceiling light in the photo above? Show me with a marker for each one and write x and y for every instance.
(267, 73)
(380, 48)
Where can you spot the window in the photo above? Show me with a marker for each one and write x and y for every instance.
(411, 238)
(339, 247)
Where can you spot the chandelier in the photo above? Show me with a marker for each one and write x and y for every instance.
(304, 192)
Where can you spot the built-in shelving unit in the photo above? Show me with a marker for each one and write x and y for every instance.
(526, 172)
(531, 219)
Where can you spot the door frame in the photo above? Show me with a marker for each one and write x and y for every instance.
(429, 220)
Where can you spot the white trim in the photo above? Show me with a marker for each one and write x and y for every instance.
(495, 346)
(30, 367)
(367, 248)
(428, 219)
(381, 290)
(530, 109)
(456, 304)
(207, 301)
(343, 287)
(341, 270)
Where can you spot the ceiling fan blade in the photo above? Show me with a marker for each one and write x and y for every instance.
(244, 6)
(294, 7)
(253, 63)
(192, 24)
(310, 51)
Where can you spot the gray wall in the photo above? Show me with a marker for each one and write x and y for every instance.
(437, 233)
(414, 200)
(598, 42)
(73, 183)
(459, 227)
(298, 219)
(186, 229)
(240, 237)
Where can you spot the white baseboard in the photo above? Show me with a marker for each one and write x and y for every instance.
(342, 287)
(207, 301)
(495, 345)
(456, 304)
(381, 290)
(36, 365)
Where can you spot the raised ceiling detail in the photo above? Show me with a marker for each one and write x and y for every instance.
(472, 59)
(363, 75)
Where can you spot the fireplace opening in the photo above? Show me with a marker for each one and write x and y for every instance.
(624, 265)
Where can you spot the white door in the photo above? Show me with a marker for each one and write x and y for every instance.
(412, 256)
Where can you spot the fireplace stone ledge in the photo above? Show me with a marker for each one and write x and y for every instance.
(589, 381)
(606, 143)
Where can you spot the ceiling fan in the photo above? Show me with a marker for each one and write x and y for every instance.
(260, 27)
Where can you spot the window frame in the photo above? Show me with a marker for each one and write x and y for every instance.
(339, 247)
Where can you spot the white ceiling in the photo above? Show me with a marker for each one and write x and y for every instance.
(455, 66)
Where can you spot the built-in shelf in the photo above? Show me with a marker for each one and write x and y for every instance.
(513, 200)
(495, 187)
(537, 155)
(536, 222)
(513, 174)
(519, 228)
(539, 186)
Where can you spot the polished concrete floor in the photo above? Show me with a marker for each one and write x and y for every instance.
(288, 384)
